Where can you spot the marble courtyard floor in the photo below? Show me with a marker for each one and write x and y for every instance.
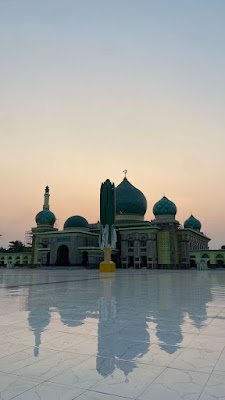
(141, 334)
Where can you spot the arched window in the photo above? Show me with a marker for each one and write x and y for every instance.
(205, 256)
(130, 243)
(219, 256)
(143, 241)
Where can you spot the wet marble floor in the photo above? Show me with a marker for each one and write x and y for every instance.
(146, 335)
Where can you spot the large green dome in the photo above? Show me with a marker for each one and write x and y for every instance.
(75, 222)
(130, 200)
(45, 217)
(193, 223)
(164, 207)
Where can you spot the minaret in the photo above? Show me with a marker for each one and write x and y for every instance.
(45, 220)
(46, 199)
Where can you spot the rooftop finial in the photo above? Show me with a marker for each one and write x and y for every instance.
(125, 173)
(46, 199)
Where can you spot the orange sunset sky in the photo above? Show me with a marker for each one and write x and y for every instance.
(91, 87)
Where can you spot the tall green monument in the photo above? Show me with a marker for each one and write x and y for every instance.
(107, 217)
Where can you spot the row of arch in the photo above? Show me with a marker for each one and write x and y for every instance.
(219, 259)
(18, 260)
(218, 256)
(142, 240)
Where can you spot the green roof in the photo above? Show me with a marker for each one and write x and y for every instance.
(129, 199)
(193, 223)
(164, 207)
(76, 222)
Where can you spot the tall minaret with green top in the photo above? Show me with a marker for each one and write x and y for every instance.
(45, 220)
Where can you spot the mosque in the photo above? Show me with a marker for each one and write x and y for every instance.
(159, 243)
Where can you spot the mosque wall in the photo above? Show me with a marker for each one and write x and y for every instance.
(184, 250)
(70, 242)
(163, 247)
(138, 249)
(177, 249)
(35, 250)
(195, 240)
(60, 245)
(152, 256)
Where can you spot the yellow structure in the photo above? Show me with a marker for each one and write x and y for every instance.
(107, 265)
(163, 247)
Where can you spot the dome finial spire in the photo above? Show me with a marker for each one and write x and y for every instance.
(46, 199)
(125, 173)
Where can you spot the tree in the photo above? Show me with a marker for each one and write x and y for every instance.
(3, 250)
(16, 246)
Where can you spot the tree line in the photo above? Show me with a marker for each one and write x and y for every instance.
(15, 247)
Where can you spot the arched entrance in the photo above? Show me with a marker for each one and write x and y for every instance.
(193, 262)
(130, 261)
(48, 259)
(206, 257)
(143, 261)
(220, 260)
(63, 255)
(85, 258)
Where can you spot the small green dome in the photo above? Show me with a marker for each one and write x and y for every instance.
(75, 222)
(164, 207)
(130, 200)
(193, 223)
(45, 217)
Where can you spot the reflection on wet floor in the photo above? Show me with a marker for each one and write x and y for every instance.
(122, 335)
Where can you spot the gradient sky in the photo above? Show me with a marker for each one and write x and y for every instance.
(90, 87)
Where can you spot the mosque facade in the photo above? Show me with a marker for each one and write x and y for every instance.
(158, 243)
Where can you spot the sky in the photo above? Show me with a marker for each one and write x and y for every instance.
(91, 87)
